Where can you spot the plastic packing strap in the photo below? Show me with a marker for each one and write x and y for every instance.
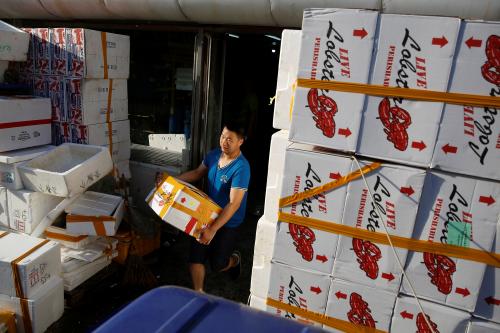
(52, 215)
(97, 221)
(409, 93)
(64, 237)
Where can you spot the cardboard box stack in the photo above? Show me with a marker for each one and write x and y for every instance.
(302, 269)
(84, 73)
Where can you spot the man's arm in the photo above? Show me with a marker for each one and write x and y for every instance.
(235, 198)
(194, 175)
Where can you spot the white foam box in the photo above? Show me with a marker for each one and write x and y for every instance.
(336, 45)
(4, 212)
(172, 142)
(95, 214)
(488, 302)
(24, 122)
(482, 326)
(61, 132)
(408, 317)
(275, 167)
(41, 44)
(122, 169)
(75, 278)
(396, 193)
(302, 246)
(35, 270)
(258, 303)
(360, 305)
(45, 306)
(299, 288)
(469, 139)
(87, 100)
(120, 151)
(58, 51)
(287, 76)
(28, 208)
(15, 43)
(56, 95)
(92, 251)
(9, 162)
(459, 211)
(61, 236)
(67, 170)
(98, 134)
(86, 56)
(412, 52)
(265, 235)
(27, 68)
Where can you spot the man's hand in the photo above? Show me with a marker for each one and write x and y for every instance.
(206, 236)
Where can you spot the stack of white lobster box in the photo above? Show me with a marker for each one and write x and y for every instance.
(84, 73)
(430, 174)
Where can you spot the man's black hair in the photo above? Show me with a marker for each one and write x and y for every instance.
(237, 127)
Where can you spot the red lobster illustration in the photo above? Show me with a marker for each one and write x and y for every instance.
(324, 109)
(395, 120)
(491, 68)
(368, 254)
(422, 326)
(441, 269)
(360, 313)
(303, 238)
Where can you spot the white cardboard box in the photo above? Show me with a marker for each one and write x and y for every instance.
(304, 289)
(83, 212)
(408, 318)
(35, 270)
(306, 247)
(86, 58)
(360, 305)
(24, 122)
(121, 151)
(460, 211)
(75, 278)
(412, 52)
(61, 236)
(172, 142)
(4, 212)
(488, 302)
(15, 43)
(9, 162)
(469, 139)
(482, 326)
(98, 134)
(58, 51)
(27, 208)
(67, 170)
(45, 307)
(287, 75)
(87, 100)
(336, 45)
(396, 190)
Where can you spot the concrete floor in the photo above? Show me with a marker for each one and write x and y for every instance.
(169, 265)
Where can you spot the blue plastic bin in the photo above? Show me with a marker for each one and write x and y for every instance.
(175, 309)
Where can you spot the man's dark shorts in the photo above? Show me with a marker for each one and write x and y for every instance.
(217, 252)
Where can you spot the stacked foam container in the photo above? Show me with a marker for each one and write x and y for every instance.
(437, 180)
(84, 73)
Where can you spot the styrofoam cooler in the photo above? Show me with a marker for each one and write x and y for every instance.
(67, 170)
(299, 288)
(35, 270)
(45, 307)
(15, 43)
(87, 100)
(86, 56)
(98, 134)
(336, 45)
(396, 193)
(4, 212)
(469, 138)
(24, 122)
(9, 162)
(483, 326)
(360, 305)
(412, 52)
(287, 76)
(408, 317)
(488, 302)
(120, 151)
(459, 211)
(302, 246)
(28, 208)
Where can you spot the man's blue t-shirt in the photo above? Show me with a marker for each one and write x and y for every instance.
(220, 181)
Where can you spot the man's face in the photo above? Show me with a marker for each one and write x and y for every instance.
(229, 142)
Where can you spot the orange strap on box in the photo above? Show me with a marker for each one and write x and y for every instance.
(4, 234)
(9, 318)
(328, 186)
(340, 324)
(108, 117)
(200, 214)
(19, 288)
(489, 258)
(409, 93)
(104, 45)
(68, 238)
(97, 221)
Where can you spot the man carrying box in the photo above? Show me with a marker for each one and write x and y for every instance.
(228, 175)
